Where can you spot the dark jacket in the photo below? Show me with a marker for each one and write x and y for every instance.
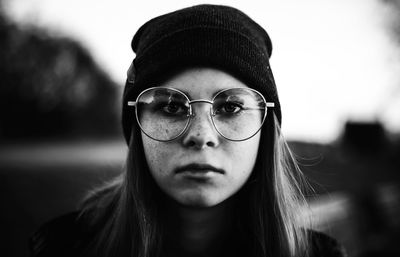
(68, 236)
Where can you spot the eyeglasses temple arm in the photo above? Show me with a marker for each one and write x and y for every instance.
(131, 103)
(267, 104)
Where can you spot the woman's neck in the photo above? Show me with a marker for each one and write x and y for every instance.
(199, 231)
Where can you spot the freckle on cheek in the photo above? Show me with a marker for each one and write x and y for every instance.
(156, 156)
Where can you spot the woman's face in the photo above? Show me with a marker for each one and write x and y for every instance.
(201, 168)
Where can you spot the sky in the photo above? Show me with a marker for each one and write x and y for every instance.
(333, 60)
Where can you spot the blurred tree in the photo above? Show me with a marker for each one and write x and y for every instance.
(50, 86)
(395, 26)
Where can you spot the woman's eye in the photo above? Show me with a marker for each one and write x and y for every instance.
(229, 108)
(174, 108)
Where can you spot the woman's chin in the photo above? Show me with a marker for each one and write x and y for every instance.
(196, 200)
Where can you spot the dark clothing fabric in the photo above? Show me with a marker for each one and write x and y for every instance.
(68, 236)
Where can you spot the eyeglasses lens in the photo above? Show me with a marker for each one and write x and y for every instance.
(238, 113)
(163, 113)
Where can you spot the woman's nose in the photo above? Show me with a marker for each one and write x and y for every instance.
(201, 132)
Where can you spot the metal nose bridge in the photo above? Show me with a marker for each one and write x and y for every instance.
(192, 114)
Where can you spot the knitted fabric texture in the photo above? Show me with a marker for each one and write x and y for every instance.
(212, 36)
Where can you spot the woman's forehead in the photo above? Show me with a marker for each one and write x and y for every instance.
(202, 82)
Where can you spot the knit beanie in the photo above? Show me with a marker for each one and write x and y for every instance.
(212, 36)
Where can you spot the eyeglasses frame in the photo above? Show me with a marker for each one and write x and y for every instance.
(191, 114)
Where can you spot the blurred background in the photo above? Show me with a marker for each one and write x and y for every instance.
(337, 67)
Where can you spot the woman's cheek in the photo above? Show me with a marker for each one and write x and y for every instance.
(157, 155)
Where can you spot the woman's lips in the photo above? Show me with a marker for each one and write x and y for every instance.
(198, 172)
(195, 168)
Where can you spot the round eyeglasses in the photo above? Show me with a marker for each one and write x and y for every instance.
(164, 114)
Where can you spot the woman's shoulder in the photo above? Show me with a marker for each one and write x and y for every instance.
(66, 235)
(323, 245)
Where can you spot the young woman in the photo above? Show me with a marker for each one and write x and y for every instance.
(208, 172)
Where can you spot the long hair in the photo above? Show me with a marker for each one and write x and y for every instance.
(126, 214)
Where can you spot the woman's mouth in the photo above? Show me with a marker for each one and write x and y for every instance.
(198, 168)
(198, 172)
